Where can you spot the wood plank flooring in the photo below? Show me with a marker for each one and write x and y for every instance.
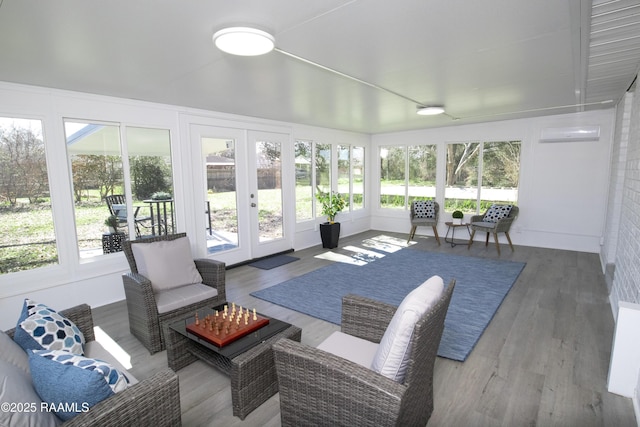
(543, 359)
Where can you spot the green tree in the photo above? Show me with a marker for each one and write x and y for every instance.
(149, 174)
(90, 171)
(23, 165)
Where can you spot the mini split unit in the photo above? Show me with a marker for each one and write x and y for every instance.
(569, 134)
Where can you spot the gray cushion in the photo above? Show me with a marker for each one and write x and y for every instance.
(352, 348)
(16, 388)
(392, 357)
(12, 353)
(484, 224)
(173, 299)
(167, 264)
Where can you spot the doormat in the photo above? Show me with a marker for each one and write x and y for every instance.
(273, 262)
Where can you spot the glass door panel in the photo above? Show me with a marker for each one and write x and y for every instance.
(220, 208)
(269, 185)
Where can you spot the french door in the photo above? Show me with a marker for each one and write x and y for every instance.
(239, 179)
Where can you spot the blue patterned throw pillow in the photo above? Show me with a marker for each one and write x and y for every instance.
(497, 212)
(40, 327)
(70, 383)
(424, 209)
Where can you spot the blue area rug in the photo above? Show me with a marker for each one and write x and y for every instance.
(273, 262)
(481, 285)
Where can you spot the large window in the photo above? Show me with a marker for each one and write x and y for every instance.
(27, 236)
(304, 189)
(344, 172)
(130, 184)
(480, 174)
(314, 164)
(393, 179)
(406, 174)
(357, 177)
(421, 172)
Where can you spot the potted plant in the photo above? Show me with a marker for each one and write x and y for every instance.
(112, 223)
(332, 203)
(161, 195)
(458, 215)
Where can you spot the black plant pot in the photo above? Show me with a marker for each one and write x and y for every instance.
(330, 233)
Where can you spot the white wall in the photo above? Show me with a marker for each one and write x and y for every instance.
(563, 186)
(624, 215)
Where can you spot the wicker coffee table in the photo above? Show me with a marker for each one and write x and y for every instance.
(248, 361)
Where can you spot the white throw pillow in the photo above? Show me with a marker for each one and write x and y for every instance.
(392, 356)
(167, 263)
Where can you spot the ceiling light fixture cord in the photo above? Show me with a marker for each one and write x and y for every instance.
(350, 77)
(533, 110)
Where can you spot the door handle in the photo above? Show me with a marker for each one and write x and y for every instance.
(253, 205)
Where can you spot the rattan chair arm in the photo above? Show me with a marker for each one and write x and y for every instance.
(476, 218)
(504, 224)
(365, 318)
(138, 284)
(154, 401)
(319, 388)
(213, 274)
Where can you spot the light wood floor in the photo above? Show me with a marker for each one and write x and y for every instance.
(542, 361)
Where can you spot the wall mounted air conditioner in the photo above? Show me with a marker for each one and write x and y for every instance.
(569, 134)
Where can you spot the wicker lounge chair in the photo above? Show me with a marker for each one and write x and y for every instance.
(145, 321)
(154, 401)
(425, 214)
(479, 223)
(320, 388)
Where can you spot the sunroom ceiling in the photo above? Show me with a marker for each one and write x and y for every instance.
(483, 61)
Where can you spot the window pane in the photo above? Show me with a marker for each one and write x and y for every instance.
(96, 166)
(344, 172)
(461, 189)
(422, 172)
(269, 168)
(357, 174)
(500, 173)
(323, 172)
(304, 193)
(27, 236)
(151, 181)
(219, 156)
(392, 177)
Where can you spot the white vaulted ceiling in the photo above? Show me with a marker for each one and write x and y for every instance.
(489, 60)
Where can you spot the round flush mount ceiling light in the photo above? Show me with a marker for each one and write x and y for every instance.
(430, 110)
(244, 41)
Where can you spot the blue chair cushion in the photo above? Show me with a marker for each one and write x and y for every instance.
(70, 383)
(40, 327)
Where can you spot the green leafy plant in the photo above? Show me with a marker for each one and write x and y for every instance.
(160, 195)
(457, 214)
(332, 203)
(111, 221)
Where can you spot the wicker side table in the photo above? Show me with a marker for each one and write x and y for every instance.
(252, 373)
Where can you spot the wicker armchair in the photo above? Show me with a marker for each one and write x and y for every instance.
(145, 322)
(138, 404)
(418, 220)
(319, 388)
(501, 226)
